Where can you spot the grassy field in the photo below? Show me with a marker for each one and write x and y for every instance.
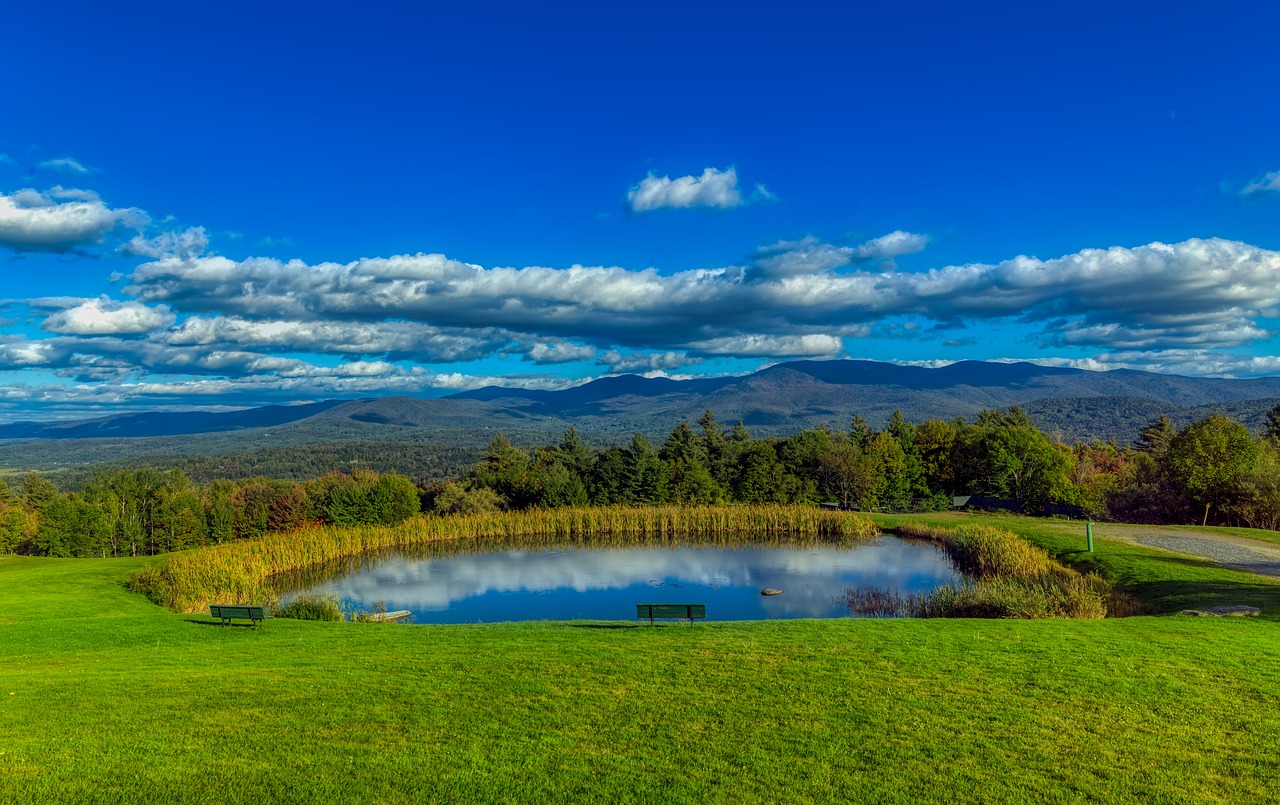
(105, 697)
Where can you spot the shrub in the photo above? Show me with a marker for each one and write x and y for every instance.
(312, 608)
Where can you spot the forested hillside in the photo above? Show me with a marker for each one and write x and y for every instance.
(779, 401)
(1212, 470)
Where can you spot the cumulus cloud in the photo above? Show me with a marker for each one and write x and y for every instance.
(643, 362)
(795, 258)
(59, 219)
(714, 188)
(241, 375)
(1268, 185)
(185, 245)
(791, 258)
(1196, 293)
(104, 316)
(456, 381)
(273, 328)
(396, 340)
(776, 346)
(894, 244)
(559, 352)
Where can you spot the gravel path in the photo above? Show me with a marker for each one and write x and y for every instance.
(1263, 560)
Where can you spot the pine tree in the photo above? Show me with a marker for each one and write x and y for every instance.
(1271, 427)
(1154, 439)
(860, 431)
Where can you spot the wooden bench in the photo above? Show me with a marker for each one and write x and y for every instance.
(682, 611)
(228, 611)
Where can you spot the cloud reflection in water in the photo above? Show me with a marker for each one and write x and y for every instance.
(605, 583)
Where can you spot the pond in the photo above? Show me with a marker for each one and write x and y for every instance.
(478, 583)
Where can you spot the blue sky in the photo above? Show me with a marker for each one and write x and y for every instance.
(208, 205)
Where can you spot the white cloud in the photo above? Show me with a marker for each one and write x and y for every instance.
(399, 340)
(104, 316)
(457, 381)
(1192, 294)
(714, 188)
(559, 352)
(776, 346)
(936, 363)
(894, 244)
(74, 193)
(1268, 185)
(790, 258)
(185, 245)
(66, 165)
(35, 221)
(645, 362)
(1206, 331)
(794, 258)
(1194, 362)
(250, 330)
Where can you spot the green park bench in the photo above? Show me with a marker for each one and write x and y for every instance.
(682, 611)
(226, 612)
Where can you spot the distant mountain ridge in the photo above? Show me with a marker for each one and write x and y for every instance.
(165, 423)
(781, 399)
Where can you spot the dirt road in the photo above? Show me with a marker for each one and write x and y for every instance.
(1242, 553)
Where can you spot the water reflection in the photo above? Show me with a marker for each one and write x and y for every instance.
(499, 583)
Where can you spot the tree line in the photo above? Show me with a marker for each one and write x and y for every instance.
(1213, 470)
(141, 512)
(419, 461)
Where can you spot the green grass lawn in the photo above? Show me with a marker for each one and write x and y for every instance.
(107, 698)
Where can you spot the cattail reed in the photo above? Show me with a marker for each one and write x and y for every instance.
(243, 571)
(1011, 579)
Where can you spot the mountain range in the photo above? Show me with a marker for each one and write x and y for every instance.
(781, 399)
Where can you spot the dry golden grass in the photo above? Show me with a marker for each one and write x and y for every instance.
(242, 572)
(1012, 579)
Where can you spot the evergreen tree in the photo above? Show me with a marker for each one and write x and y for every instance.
(800, 455)
(682, 445)
(913, 475)
(506, 470)
(609, 477)
(935, 441)
(1271, 426)
(36, 490)
(720, 456)
(575, 454)
(860, 431)
(560, 487)
(891, 484)
(1154, 439)
(689, 478)
(646, 475)
(759, 477)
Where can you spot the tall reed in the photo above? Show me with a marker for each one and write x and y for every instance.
(1011, 579)
(242, 572)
